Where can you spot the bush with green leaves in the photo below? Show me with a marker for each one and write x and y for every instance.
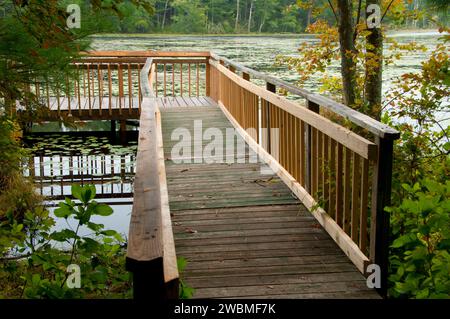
(420, 253)
(32, 266)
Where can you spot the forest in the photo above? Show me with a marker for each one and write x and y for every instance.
(246, 16)
(41, 235)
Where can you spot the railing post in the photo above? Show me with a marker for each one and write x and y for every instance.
(208, 79)
(381, 197)
(308, 139)
(271, 88)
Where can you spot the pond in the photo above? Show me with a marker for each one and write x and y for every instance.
(93, 154)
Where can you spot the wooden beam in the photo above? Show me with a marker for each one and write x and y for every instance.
(171, 275)
(147, 54)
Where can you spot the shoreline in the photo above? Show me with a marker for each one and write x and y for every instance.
(394, 32)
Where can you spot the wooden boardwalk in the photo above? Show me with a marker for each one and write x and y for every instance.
(243, 233)
(308, 228)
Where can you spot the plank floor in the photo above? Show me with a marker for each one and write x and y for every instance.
(240, 228)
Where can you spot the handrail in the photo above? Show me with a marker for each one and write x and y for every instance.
(147, 54)
(364, 121)
(151, 253)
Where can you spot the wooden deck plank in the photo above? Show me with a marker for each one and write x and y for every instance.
(243, 233)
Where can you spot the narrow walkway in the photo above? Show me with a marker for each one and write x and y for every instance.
(243, 232)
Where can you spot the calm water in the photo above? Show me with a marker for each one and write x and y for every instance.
(100, 158)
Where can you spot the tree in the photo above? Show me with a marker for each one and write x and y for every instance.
(347, 48)
(190, 16)
(236, 24)
(252, 2)
(374, 64)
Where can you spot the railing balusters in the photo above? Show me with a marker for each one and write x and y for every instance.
(347, 191)
(189, 78)
(139, 86)
(165, 79)
(181, 78)
(339, 188)
(363, 209)
(356, 180)
(78, 88)
(173, 79)
(68, 94)
(100, 88)
(89, 89)
(109, 89)
(198, 78)
(120, 76)
(130, 89)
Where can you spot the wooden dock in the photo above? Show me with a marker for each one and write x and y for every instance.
(298, 212)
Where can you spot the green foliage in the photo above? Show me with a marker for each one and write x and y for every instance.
(34, 267)
(186, 292)
(420, 258)
(190, 16)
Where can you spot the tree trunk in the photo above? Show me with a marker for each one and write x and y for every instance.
(309, 16)
(164, 15)
(237, 16)
(250, 16)
(348, 51)
(263, 20)
(374, 68)
(212, 12)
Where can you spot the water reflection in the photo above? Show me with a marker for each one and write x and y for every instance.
(57, 160)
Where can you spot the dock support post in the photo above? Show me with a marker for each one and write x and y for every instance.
(113, 126)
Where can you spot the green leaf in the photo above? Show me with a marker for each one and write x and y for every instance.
(64, 211)
(76, 191)
(63, 235)
(103, 210)
(109, 232)
(87, 193)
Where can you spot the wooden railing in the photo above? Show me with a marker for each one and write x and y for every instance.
(151, 253)
(180, 77)
(107, 83)
(325, 164)
(96, 87)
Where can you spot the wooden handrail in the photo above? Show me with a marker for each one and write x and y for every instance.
(360, 119)
(151, 253)
(147, 54)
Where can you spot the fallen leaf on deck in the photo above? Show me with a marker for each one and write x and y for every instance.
(190, 231)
